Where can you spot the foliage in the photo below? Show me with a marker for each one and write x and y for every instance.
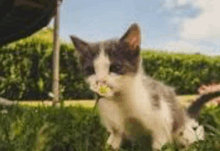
(78, 129)
(26, 70)
(184, 72)
(48, 128)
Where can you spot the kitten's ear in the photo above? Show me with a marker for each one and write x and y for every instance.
(132, 36)
(80, 45)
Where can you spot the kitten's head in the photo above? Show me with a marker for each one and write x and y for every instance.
(111, 60)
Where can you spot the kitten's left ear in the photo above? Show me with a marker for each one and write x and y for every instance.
(80, 45)
(132, 36)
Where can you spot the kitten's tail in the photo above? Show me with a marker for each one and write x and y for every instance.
(194, 109)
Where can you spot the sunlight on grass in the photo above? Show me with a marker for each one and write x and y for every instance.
(84, 103)
(78, 128)
(184, 99)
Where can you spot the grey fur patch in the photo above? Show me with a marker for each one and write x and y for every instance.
(122, 56)
(124, 53)
(155, 100)
(166, 92)
(123, 59)
(86, 60)
(154, 87)
(176, 109)
(87, 52)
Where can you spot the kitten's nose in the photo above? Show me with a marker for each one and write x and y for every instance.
(101, 80)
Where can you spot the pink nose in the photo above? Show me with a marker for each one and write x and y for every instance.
(101, 80)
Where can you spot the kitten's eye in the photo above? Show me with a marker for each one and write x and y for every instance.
(115, 68)
(195, 128)
(89, 70)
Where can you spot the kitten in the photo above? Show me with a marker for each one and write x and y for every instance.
(135, 100)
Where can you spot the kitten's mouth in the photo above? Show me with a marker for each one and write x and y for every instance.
(104, 89)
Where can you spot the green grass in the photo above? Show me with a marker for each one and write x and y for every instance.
(84, 103)
(90, 103)
(75, 128)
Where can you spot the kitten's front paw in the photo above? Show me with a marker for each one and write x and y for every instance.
(157, 146)
(156, 149)
(114, 141)
(110, 148)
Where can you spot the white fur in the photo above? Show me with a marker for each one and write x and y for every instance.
(101, 64)
(189, 134)
(134, 102)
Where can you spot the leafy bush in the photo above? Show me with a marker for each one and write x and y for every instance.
(50, 129)
(184, 72)
(78, 129)
(26, 70)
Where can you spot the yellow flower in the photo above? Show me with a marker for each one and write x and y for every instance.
(103, 89)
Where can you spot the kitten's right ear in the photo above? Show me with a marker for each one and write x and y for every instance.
(132, 36)
(80, 45)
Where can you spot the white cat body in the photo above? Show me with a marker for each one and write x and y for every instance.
(135, 102)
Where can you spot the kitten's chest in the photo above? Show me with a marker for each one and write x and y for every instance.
(129, 109)
(135, 108)
(136, 100)
(132, 108)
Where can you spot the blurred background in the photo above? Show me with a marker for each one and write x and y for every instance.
(187, 26)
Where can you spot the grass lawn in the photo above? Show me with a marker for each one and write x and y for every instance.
(70, 128)
(185, 100)
(84, 103)
(33, 126)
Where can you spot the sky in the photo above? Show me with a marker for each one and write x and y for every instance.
(186, 26)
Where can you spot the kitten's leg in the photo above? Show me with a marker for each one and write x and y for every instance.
(161, 134)
(112, 119)
(115, 140)
(110, 138)
(160, 138)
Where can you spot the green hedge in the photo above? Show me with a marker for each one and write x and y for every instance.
(26, 70)
(26, 73)
(184, 72)
(50, 129)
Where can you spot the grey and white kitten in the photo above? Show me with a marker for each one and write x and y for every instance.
(136, 99)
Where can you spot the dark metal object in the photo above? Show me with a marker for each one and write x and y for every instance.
(22, 18)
